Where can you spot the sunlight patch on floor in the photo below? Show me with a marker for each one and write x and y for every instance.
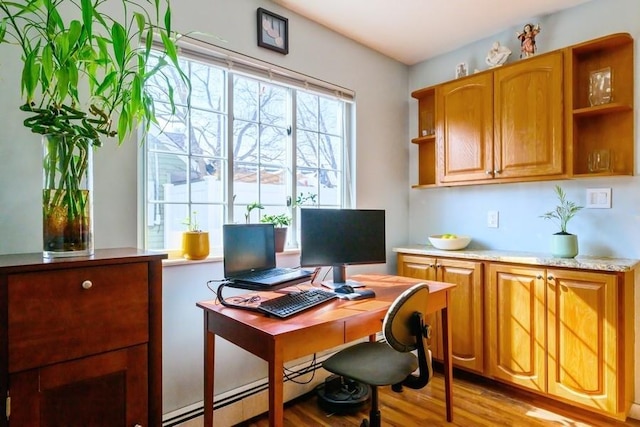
(541, 414)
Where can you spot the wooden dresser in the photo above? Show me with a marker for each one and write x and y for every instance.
(81, 339)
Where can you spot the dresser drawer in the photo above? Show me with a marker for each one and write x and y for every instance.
(52, 317)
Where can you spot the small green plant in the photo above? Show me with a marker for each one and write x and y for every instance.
(303, 199)
(250, 207)
(563, 212)
(192, 223)
(280, 220)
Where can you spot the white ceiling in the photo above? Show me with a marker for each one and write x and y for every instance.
(412, 31)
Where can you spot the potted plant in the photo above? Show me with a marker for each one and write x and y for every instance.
(281, 222)
(84, 80)
(195, 242)
(563, 243)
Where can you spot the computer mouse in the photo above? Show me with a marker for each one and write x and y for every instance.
(344, 289)
(361, 294)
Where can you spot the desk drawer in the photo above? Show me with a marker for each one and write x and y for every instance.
(52, 317)
(363, 325)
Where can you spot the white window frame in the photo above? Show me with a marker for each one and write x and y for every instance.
(240, 65)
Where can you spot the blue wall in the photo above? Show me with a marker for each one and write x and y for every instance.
(463, 210)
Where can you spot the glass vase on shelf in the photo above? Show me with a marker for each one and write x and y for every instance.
(600, 87)
(67, 196)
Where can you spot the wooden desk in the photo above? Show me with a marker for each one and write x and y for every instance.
(331, 324)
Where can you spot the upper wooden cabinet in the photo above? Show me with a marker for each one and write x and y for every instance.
(528, 118)
(603, 129)
(426, 140)
(531, 120)
(465, 129)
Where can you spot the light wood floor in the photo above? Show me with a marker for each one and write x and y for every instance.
(475, 404)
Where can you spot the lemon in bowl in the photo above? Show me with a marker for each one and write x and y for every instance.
(449, 242)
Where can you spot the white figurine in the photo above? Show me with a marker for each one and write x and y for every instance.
(498, 55)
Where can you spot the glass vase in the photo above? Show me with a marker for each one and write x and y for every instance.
(67, 196)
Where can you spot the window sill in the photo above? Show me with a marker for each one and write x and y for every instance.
(175, 258)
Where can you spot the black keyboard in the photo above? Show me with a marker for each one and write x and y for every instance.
(295, 302)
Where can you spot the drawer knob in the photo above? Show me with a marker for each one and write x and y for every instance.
(87, 284)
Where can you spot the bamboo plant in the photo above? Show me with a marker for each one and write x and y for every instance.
(84, 80)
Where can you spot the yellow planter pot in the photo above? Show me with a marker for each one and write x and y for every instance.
(195, 244)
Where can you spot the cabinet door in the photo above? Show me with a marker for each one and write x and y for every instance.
(417, 266)
(107, 390)
(424, 268)
(529, 117)
(516, 318)
(465, 312)
(465, 129)
(583, 332)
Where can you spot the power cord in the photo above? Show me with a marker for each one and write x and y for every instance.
(291, 375)
(236, 302)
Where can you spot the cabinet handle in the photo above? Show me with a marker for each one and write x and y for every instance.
(497, 171)
(431, 265)
(438, 265)
(550, 277)
(87, 284)
(488, 172)
(539, 276)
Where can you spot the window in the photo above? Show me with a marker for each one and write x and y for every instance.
(245, 139)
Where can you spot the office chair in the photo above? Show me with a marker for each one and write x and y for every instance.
(390, 363)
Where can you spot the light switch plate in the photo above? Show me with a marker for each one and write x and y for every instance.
(598, 198)
(492, 219)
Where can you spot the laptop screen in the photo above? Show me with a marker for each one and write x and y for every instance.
(248, 247)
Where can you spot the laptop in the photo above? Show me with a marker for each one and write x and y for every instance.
(250, 258)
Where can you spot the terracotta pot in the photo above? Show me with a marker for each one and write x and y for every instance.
(281, 238)
(195, 244)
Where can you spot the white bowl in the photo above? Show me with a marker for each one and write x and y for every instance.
(459, 242)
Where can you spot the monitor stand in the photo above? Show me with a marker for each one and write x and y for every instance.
(340, 278)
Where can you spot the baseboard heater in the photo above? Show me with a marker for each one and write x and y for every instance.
(197, 410)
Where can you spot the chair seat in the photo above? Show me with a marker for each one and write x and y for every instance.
(372, 363)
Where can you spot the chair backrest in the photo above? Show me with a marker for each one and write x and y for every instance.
(397, 322)
(404, 330)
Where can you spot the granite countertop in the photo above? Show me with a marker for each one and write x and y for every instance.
(531, 258)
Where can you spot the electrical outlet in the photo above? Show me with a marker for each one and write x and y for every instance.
(492, 219)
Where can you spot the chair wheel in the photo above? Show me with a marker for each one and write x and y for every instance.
(364, 423)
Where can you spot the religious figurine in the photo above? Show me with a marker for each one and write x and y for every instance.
(498, 55)
(528, 40)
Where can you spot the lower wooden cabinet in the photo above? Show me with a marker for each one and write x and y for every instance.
(563, 333)
(81, 340)
(105, 390)
(515, 314)
(465, 309)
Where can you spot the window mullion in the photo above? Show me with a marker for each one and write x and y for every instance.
(293, 129)
(228, 200)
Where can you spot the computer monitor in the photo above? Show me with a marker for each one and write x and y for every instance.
(341, 237)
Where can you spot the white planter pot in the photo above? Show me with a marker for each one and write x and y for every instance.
(564, 245)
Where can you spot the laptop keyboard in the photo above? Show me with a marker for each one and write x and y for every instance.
(295, 302)
(260, 275)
